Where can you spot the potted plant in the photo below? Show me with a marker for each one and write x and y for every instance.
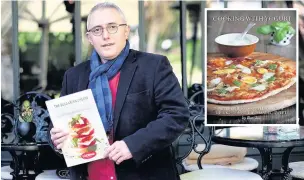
(26, 128)
(281, 32)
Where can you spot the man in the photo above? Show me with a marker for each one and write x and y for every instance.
(138, 97)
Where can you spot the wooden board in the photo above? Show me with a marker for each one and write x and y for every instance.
(282, 116)
(279, 101)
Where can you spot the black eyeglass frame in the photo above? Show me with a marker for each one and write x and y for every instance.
(108, 25)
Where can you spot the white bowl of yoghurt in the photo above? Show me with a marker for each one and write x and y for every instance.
(233, 45)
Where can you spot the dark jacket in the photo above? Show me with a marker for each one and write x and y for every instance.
(150, 113)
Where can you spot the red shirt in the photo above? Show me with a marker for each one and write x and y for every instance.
(104, 169)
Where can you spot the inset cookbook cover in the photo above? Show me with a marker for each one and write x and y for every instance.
(251, 66)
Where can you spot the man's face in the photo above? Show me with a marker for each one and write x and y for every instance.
(107, 45)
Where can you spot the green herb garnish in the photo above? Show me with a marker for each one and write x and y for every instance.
(92, 148)
(232, 66)
(254, 85)
(271, 79)
(258, 62)
(75, 120)
(74, 141)
(273, 66)
(222, 91)
(237, 83)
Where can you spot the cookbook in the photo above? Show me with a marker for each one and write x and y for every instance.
(251, 67)
(77, 114)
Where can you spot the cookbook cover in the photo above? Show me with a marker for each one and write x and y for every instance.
(251, 66)
(78, 114)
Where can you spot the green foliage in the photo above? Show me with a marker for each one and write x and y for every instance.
(25, 38)
(55, 39)
(280, 24)
(279, 28)
(175, 59)
(265, 29)
(61, 52)
(280, 34)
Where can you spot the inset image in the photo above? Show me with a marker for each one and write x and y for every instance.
(251, 66)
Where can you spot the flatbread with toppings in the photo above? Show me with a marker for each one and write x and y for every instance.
(245, 80)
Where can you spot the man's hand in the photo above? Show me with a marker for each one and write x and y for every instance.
(58, 136)
(118, 152)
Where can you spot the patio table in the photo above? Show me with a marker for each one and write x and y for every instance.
(21, 161)
(287, 137)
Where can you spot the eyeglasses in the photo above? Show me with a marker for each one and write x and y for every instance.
(111, 28)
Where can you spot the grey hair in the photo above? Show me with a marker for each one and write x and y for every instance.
(106, 5)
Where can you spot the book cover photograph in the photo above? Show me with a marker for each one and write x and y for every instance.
(251, 66)
(78, 114)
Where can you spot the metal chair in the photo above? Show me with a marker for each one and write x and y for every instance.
(297, 172)
(196, 134)
(210, 173)
(248, 164)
